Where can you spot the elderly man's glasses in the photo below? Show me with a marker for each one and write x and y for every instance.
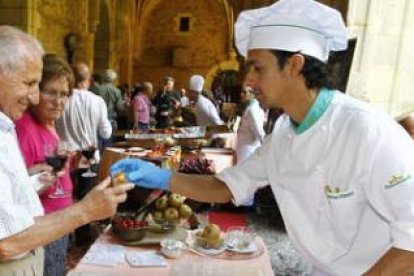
(55, 95)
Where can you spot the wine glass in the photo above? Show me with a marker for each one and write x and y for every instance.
(56, 157)
(88, 151)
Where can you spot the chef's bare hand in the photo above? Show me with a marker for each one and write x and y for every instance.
(101, 201)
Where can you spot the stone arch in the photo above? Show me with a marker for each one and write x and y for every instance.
(180, 54)
(226, 65)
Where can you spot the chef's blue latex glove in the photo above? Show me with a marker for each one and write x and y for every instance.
(143, 173)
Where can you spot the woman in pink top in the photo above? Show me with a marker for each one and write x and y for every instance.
(36, 129)
(142, 106)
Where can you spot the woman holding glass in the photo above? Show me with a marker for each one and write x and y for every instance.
(40, 143)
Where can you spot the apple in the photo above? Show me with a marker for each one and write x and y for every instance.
(211, 232)
(118, 179)
(161, 203)
(158, 215)
(171, 213)
(175, 200)
(185, 211)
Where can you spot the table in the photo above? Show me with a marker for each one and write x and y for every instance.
(222, 158)
(259, 266)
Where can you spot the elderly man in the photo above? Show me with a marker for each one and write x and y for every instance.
(205, 111)
(341, 172)
(24, 228)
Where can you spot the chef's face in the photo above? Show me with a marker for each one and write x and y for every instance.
(268, 80)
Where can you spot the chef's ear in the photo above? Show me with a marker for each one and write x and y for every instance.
(296, 63)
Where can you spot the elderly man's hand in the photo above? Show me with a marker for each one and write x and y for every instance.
(101, 202)
(143, 173)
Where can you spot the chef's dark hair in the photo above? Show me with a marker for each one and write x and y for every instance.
(314, 71)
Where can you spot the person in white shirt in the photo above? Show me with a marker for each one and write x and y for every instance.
(24, 228)
(84, 119)
(85, 115)
(205, 112)
(342, 172)
(251, 132)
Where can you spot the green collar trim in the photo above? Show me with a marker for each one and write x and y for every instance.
(316, 111)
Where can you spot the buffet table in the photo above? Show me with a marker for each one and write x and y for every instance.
(188, 264)
(222, 158)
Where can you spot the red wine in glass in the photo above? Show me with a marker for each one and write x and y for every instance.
(56, 157)
(89, 152)
(57, 162)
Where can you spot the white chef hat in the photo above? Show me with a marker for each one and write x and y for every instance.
(304, 26)
(196, 83)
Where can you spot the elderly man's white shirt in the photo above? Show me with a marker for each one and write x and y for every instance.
(206, 113)
(345, 186)
(85, 117)
(19, 203)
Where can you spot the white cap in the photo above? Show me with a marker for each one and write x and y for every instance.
(196, 83)
(304, 26)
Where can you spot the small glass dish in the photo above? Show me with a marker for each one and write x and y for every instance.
(172, 248)
(240, 238)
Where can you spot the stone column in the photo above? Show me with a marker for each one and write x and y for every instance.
(383, 67)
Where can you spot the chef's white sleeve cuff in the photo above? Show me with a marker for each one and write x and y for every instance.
(236, 186)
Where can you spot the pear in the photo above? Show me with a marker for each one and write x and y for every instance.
(185, 211)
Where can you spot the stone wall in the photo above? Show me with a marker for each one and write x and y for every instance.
(166, 51)
(59, 18)
(15, 13)
(383, 67)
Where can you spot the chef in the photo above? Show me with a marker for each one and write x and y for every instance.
(341, 172)
(205, 112)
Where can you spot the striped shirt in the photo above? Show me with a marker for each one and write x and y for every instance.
(19, 203)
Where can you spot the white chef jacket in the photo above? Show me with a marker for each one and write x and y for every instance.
(206, 113)
(251, 132)
(344, 186)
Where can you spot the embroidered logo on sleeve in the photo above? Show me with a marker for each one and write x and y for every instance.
(397, 180)
(333, 192)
